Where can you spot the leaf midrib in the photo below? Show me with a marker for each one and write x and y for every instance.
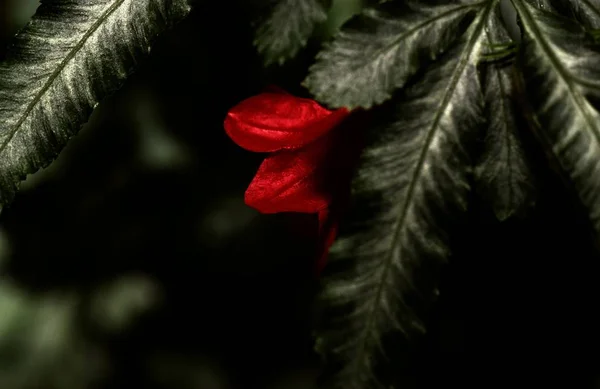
(507, 139)
(38, 97)
(414, 30)
(505, 122)
(564, 74)
(374, 56)
(463, 61)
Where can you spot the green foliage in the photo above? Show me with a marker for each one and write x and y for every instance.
(71, 56)
(413, 176)
(458, 103)
(503, 175)
(561, 77)
(377, 51)
(285, 26)
(41, 340)
(450, 103)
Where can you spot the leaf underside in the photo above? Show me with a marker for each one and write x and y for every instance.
(561, 78)
(286, 26)
(585, 12)
(411, 184)
(377, 51)
(71, 55)
(503, 175)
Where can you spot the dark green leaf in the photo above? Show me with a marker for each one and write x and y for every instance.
(586, 12)
(286, 26)
(503, 174)
(561, 78)
(411, 185)
(377, 51)
(61, 65)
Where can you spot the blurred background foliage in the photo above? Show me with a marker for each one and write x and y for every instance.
(132, 261)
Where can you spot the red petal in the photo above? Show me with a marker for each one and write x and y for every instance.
(292, 181)
(273, 121)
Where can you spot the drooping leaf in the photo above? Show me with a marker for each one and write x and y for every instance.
(285, 26)
(561, 78)
(411, 184)
(503, 173)
(71, 55)
(377, 51)
(586, 12)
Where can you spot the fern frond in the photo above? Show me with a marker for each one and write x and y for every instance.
(411, 185)
(67, 59)
(378, 50)
(561, 78)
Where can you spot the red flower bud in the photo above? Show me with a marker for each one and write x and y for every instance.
(311, 160)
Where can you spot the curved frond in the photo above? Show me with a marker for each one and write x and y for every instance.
(411, 185)
(561, 78)
(71, 55)
(586, 12)
(377, 51)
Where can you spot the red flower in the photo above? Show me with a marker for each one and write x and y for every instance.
(311, 158)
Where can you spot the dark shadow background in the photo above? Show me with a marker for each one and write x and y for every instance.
(133, 262)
